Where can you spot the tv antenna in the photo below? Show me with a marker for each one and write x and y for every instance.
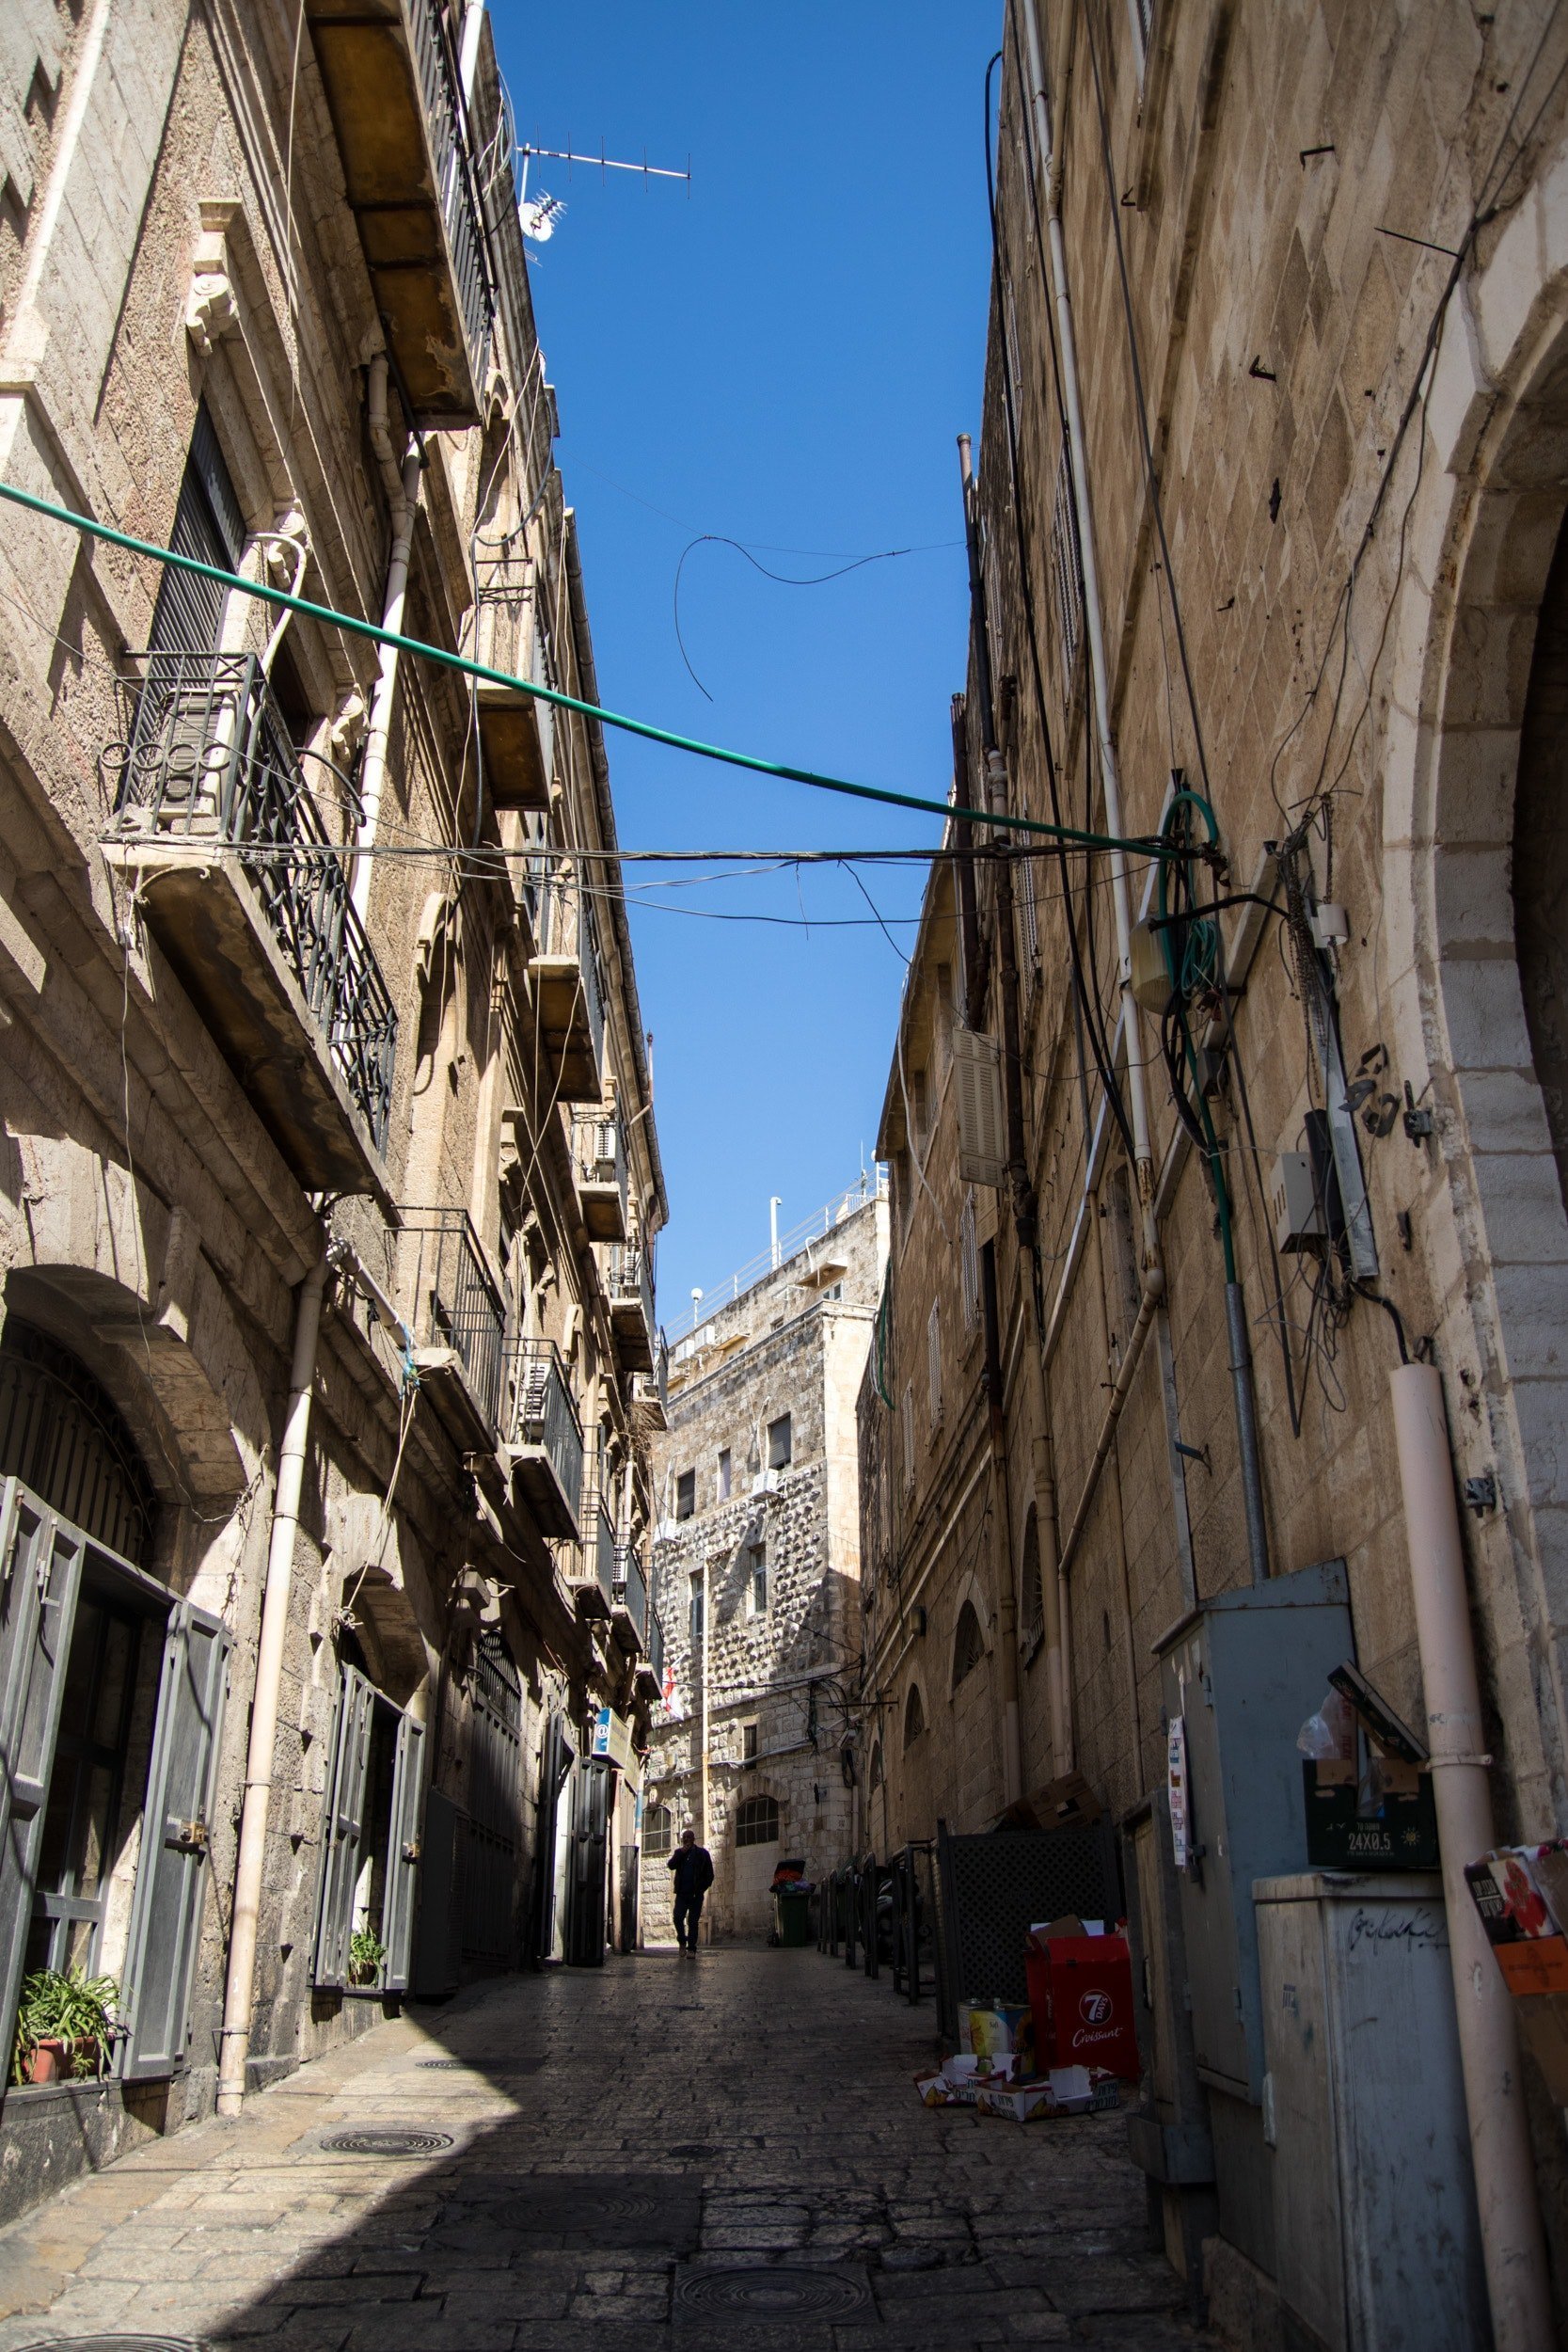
(540, 215)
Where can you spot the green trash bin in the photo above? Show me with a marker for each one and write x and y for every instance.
(794, 1918)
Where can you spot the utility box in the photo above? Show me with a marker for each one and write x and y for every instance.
(1239, 1676)
(1377, 2237)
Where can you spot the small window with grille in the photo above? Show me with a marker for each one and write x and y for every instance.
(780, 1442)
(968, 1262)
(748, 1744)
(969, 1643)
(756, 1576)
(658, 1831)
(1067, 564)
(756, 1821)
(685, 1495)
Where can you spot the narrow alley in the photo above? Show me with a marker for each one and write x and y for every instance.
(729, 2150)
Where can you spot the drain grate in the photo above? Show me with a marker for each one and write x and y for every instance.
(441, 2066)
(386, 2143)
(695, 2148)
(784, 2292)
(120, 2344)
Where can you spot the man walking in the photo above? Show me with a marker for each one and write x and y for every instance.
(693, 1867)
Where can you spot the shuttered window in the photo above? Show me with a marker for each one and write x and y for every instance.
(371, 1849)
(208, 525)
(968, 1262)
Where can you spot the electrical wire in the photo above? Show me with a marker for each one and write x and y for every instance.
(371, 630)
(819, 580)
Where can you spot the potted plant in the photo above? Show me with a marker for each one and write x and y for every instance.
(65, 2023)
(366, 1956)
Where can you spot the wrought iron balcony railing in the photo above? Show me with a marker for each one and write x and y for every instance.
(592, 1567)
(564, 926)
(598, 1153)
(457, 1304)
(631, 1589)
(457, 185)
(545, 1425)
(207, 759)
(631, 1279)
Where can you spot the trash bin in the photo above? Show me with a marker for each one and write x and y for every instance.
(794, 1916)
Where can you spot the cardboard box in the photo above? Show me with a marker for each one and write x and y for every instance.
(1081, 1987)
(1520, 1891)
(1400, 1836)
(992, 2033)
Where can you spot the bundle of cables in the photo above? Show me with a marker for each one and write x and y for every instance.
(1190, 942)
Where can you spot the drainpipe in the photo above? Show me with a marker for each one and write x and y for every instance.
(1006, 1601)
(402, 497)
(1511, 2239)
(240, 1990)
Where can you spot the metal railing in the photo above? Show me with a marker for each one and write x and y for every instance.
(631, 1277)
(598, 1147)
(544, 1414)
(207, 756)
(564, 925)
(655, 1647)
(597, 1551)
(455, 185)
(631, 1588)
(456, 1303)
(872, 1185)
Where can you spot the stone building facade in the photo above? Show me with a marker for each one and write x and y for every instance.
(1268, 510)
(329, 1180)
(756, 1572)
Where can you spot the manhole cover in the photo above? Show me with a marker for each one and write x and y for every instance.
(771, 2291)
(442, 2065)
(695, 2148)
(386, 2143)
(565, 2207)
(120, 2344)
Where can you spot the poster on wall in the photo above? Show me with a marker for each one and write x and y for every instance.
(1175, 1785)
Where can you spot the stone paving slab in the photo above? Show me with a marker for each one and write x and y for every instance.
(623, 2141)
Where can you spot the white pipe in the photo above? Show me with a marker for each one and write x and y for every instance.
(240, 1989)
(402, 497)
(1511, 2239)
(1121, 901)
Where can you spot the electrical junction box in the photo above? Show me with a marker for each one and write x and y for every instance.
(1242, 1673)
(1150, 973)
(1299, 1222)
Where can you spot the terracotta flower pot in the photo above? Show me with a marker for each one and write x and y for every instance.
(52, 2060)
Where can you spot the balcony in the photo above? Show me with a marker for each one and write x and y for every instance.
(650, 1667)
(390, 79)
(650, 1391)
(590, 1565)
(516, 732)
(545, 1454)
(629, 1613)
(599, 1164)
(459, 1325)
(632, 1305)
(568, 993)
(249, 900)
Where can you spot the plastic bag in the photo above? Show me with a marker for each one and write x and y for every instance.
(1330, 1734)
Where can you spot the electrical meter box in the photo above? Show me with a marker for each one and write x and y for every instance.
(1239, 1676)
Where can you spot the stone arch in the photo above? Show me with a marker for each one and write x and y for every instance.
(969, 1643)
(1483, 535)
(914, 1716)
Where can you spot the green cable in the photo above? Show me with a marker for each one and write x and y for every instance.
(259, 589)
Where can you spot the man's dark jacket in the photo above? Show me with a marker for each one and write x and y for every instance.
(693, 1869)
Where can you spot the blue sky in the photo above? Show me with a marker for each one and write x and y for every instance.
(785, 354)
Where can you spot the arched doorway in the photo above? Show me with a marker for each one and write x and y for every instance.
(111, 1703)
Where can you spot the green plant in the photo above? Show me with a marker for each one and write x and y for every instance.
(69, 2007)
(366, 1954)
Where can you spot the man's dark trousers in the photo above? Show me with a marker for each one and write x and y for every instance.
(688, 1913)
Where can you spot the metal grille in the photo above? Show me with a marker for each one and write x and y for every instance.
(547, 1416)
(631, 1588)
(564, 925)
(783, 2293)
(492, 1831)
(209, 757)
(456, 1302)
(1066, 562)
(454, 178)
(61, 1435)
(995, 1887)
(373, 2143)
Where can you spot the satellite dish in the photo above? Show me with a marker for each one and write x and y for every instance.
(538, 215)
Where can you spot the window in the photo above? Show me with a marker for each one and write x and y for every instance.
(969, 1643)
(877, 1766)
(372, 1839)
(723, 1485)
(208, 524)
(685, 1495)
(1033, 1591)
(1066, 562)
(780, 1443)
(658, 1831)
(756, 1823)
(748, 1744)
(933, 1358)
(969, 1264)
(834, 1290)
(915, 1717)
(905, 1423)
(695, 1619)
(756, 1569)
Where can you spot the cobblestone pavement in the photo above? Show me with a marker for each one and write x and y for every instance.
(613, 2148)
